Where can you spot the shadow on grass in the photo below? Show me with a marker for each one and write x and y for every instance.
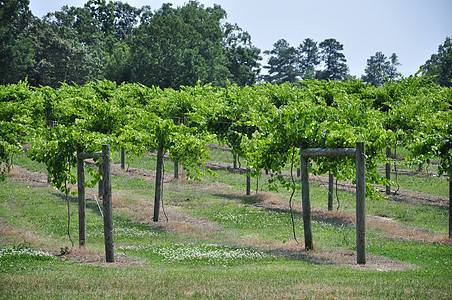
(299, 255)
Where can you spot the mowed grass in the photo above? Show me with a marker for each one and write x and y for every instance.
(246, 250)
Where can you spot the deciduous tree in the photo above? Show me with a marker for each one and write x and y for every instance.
(440, 64)
(242, 58)
(16, 53)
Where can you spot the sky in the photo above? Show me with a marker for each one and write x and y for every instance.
(413, 29)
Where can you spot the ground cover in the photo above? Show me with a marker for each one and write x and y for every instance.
(216, 242)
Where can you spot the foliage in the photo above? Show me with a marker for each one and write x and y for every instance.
(440, 64)
(18, 118)
(309, 58)
(290, 64)
(380, 69)
(282, 63)
(335, 62)
(264, 124)
(169, 47)
(15, 45)
(241, 56)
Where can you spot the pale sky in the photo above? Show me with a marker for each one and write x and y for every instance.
(413, 29)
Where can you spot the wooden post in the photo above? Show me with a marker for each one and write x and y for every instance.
(81, 200)
(234, 157)
(388, 170)
(330, 190)
(123, 159)
(248, 181)
(158, 183)
(360, 203)
(306, 203)
(107, 205)
(176, 164)
(450, 207)
(183, 173)
(176, 170)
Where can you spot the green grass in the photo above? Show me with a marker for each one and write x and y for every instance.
(427, 184)
(145, 161)
(217, 263)
(221, 155)
(280, 278)
(22, 160)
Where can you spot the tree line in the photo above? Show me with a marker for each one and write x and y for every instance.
(169, 47)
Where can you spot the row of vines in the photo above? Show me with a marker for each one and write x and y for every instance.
(265, 125)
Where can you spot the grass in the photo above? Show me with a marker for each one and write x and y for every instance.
(427, 184)
(22, 160)
(246, 252)
(282, 278)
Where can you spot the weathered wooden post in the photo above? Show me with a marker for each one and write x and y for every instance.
(123, 159)
(107, 205)
(158, 183)
(176, 164)
(248, 181)
(450, 207)
(81, 199)
(359, 155)
(306, 203)
(388, 170)
(330, 190)
(176, 170)
(360, 203)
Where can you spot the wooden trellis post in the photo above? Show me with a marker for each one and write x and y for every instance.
(106, 199)
(81, 199)
(359, 155)
(306, 203)
(330, 190)
(450, 208)
(248, 181)
(388, 170)
(123, 159)
(158, 182)
(176, 164)
(360, 203)
(107, 205)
